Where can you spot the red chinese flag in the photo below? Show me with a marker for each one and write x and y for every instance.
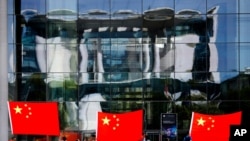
(120, 127)
(205, 127)
(35, 118)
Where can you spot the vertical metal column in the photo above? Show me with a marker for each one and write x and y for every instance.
(3, 71)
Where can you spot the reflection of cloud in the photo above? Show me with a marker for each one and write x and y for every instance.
(62, 4)
(62, 14)
(188, 14)
(28, 13)
(95, 14)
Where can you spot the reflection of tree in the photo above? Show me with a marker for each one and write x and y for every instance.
(11, 92)
(236, 96)
(63, 115)
(185, 113)
(34, 88)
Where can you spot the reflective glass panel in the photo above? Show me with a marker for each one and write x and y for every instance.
(244, 57)
(226, 28)
(37, 6)
(243, 6)
(61, 54)
(225, 6)
(94, 7)
(31, 86)
(196, 5)
(12, 58)
(12, 88)
(10, 5)
(61, 86)
(244, 20)
(152, 4)
(228, 56)
(244, 87)
(55, 7)
(11, 28)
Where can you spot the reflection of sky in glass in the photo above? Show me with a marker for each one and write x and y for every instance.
(244, 56)
(152, 4)
(38, 5)
(86, 5)
(62, 4)
(198, 5)
(244, 6)
(134, 5)
(226, 24)
(10, 7)
(10, 42)
(228, 6)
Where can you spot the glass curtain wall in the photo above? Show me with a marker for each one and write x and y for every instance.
(161, 56)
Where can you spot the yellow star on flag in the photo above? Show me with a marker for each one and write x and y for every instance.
(201, 121)
(18, 109)
(106, 121)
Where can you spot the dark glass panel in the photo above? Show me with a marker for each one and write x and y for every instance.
(12, 88)
(185, 109)
(230, 88)
(29, 55)
(154, 89)
(153, 112)
(244, 86)
(228, 106)
(62, 28)
(244, 107)
(205, 91)
(93, 87)
(214, 107)
(61, 86)
(125, 91)
(31, 86)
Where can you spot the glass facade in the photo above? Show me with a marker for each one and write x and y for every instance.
(164, 56)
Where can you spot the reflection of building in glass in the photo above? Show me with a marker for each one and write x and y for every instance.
(123, 55)
(247, 70)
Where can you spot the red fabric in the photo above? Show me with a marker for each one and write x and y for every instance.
(213, 127)
(70, 136)
(120, 127)
(35, 118)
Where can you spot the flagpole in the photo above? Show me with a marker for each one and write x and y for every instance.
(3, 71)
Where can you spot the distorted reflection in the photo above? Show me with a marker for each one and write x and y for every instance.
(119, 55)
